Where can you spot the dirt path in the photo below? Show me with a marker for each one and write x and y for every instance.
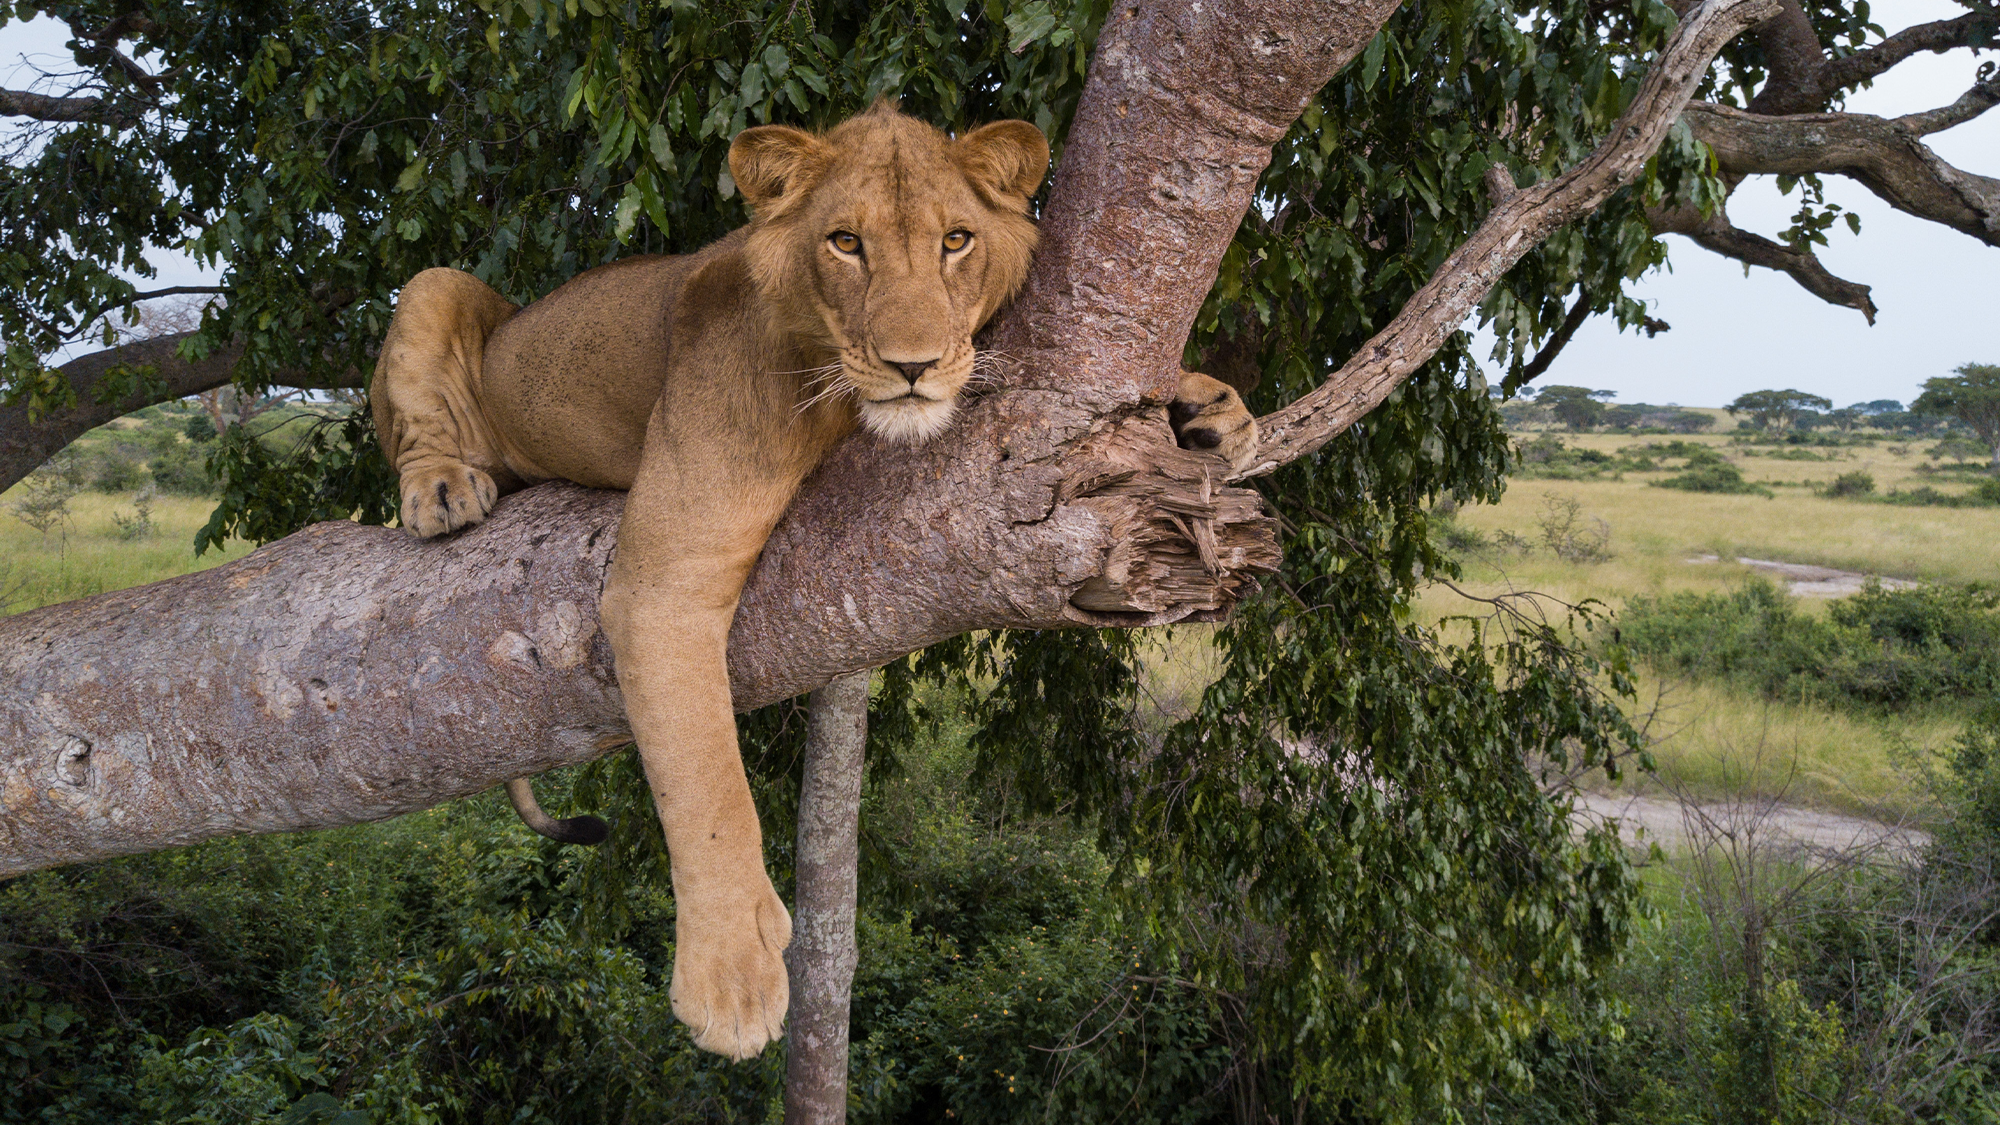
(1814, 581)
(1666, 822)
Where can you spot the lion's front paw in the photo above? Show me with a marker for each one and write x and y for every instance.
(445, 496)
(1208, 414)
(729, 982)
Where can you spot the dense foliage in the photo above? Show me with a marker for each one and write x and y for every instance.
(1878, 648)
(1339, 862)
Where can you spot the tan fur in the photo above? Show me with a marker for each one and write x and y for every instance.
(710, 384)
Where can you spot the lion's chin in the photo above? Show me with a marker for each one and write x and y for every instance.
(909, 420)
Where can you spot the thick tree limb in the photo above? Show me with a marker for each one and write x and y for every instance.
(1183, 105)
(1513, 227)
(1715, 232)
(26, 443)
(1885, 156)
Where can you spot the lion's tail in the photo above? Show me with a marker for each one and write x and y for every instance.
(575, 830)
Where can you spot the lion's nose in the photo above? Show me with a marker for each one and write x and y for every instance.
(915, 371)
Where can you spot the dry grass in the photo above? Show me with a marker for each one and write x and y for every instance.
(1715, 739)
(90, 557)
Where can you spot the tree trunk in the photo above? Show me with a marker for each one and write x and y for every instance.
(350, 673)
(823, 953)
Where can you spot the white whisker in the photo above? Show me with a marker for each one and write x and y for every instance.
(833, 389)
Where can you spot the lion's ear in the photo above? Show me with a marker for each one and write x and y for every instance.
(1006, 157)
(772, 161)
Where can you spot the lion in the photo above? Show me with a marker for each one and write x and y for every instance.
(709, 385)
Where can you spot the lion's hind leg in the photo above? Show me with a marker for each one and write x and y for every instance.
(426, 399)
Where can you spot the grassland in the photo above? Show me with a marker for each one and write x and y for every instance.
(89, 555)
(1715, 739)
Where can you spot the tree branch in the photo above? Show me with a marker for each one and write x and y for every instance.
(26, 443)
(1715, 232)
(1978, 100)
(1510, 230)
(43, 107)
(1885, 156)
(1944, 35)
(1559, 339)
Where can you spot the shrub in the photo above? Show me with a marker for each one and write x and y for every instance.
(181, 470)
(1877, 648)
(1712, 476)
(1856, 483)
(1568, 535)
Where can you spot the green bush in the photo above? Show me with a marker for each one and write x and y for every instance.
(1715, 475)
(1856, 483)
(1877, 648)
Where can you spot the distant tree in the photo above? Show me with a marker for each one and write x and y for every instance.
(1973, 397)
(1579, 408)
(1878, 406)
(1777, 411)
(1845, 419)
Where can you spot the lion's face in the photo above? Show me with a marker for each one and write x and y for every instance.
(892, 243)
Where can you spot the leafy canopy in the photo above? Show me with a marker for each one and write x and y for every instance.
(1972, 396)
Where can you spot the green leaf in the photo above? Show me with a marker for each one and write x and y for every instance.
(626, 217)
(1031, 22)
(662, 147)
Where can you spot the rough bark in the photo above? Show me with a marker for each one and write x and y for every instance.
(27, 442)
(352, 673)
(823, 953)
(1885, 155)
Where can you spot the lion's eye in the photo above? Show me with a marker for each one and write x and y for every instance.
(847, 242)
(957, 240)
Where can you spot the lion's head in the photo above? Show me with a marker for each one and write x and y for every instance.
(892, 243)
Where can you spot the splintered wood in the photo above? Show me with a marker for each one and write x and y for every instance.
(1183, 546)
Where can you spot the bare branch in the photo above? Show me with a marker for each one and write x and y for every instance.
(1559, 339)
(43, 107)
(26, 443)
(1715, 232)
(1944, 35)
(1509, 232)
(1976, 101)
(1884, 156)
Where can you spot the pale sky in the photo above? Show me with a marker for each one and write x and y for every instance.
(1935, 288)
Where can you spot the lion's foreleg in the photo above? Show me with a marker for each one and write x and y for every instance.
(689, 537)
(426, 403)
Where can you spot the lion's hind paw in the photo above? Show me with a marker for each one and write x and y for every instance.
(1208, 414)
(442, 498)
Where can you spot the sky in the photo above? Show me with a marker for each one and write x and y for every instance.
(1936, 289)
